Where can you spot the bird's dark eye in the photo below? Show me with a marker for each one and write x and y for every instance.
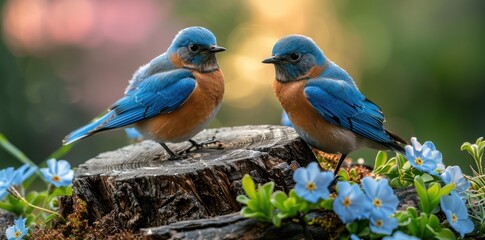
(295, 56)
(194, 47)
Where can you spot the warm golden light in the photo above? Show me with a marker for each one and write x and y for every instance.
(248, 80)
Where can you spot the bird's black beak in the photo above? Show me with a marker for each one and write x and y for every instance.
(215, 48)
(273, 59)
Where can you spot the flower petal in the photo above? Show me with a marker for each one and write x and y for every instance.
(63, 167)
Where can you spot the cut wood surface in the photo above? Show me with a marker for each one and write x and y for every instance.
(141, 188)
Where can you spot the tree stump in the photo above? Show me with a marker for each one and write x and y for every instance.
(234, 226)
(140, 188)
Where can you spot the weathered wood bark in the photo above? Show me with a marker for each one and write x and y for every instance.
(234, 226)
(6, 220)
(141, 188)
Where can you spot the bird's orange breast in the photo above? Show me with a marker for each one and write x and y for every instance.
(310, 125)
(193, 116)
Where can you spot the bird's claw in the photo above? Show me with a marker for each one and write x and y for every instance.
(195, 145)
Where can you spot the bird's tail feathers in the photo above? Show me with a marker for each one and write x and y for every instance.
(398, 142)
(88, 130)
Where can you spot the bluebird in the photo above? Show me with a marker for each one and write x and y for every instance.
(322, 101)
(173, 97)
(285, 120)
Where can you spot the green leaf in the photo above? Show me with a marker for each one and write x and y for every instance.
(433, 192)
(445, 190)
(412, 212)
(305, 207)
(19, 155)
(278, 199)
(396, 183)
(445, 234)
(401, 161)
(7, 206)
(277, 220)
(466, 146)
(293, 194)
(268, 188)
(242, 199)
(344, 175)
(10, 148)
(423, 220)
(248, 186)
(433, 222)
(327, 204)
(353, 227)
(381, 159)
(253, 204)
(364, 232)
(406, 165)
(353, 173)
(248, 213)
(50, 217)
(422, 194)
(264, 196)
(413, 227)
(429, 233)
(31, 196)
(289, 203)
(401, 217)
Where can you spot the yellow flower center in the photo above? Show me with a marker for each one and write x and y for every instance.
(379, 223)
(418, 161)
(346, 202)
(377, 202)
(18, 233)
(311, 186)
(56, 178)
(454, 218)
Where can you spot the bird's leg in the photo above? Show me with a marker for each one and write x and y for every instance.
(172, 156)
(197, 145)
(337, 168)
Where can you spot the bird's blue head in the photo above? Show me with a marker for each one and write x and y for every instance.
(195, 48)
(294, 56)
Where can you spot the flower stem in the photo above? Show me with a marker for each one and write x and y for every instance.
(17, 195)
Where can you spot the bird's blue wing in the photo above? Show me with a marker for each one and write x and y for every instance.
(160, 93)
(342, 104)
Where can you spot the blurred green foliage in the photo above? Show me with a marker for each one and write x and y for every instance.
(422, 62)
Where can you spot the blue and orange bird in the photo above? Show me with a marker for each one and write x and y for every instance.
(322, 101)
(173, 97)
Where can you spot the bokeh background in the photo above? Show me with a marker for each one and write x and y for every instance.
(62, 62)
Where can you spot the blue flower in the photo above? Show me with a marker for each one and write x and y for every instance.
(380, 194)
(440, 168)
(453, 174)
(132, 133)
(58, 173)
(382, 224)
(400, 236)
(285, 120)
(351, 203)
(17, 231)
(311, 183)
(8, 177)
(456, 213)
(354, 237)
(424, 157)
(24, 172)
